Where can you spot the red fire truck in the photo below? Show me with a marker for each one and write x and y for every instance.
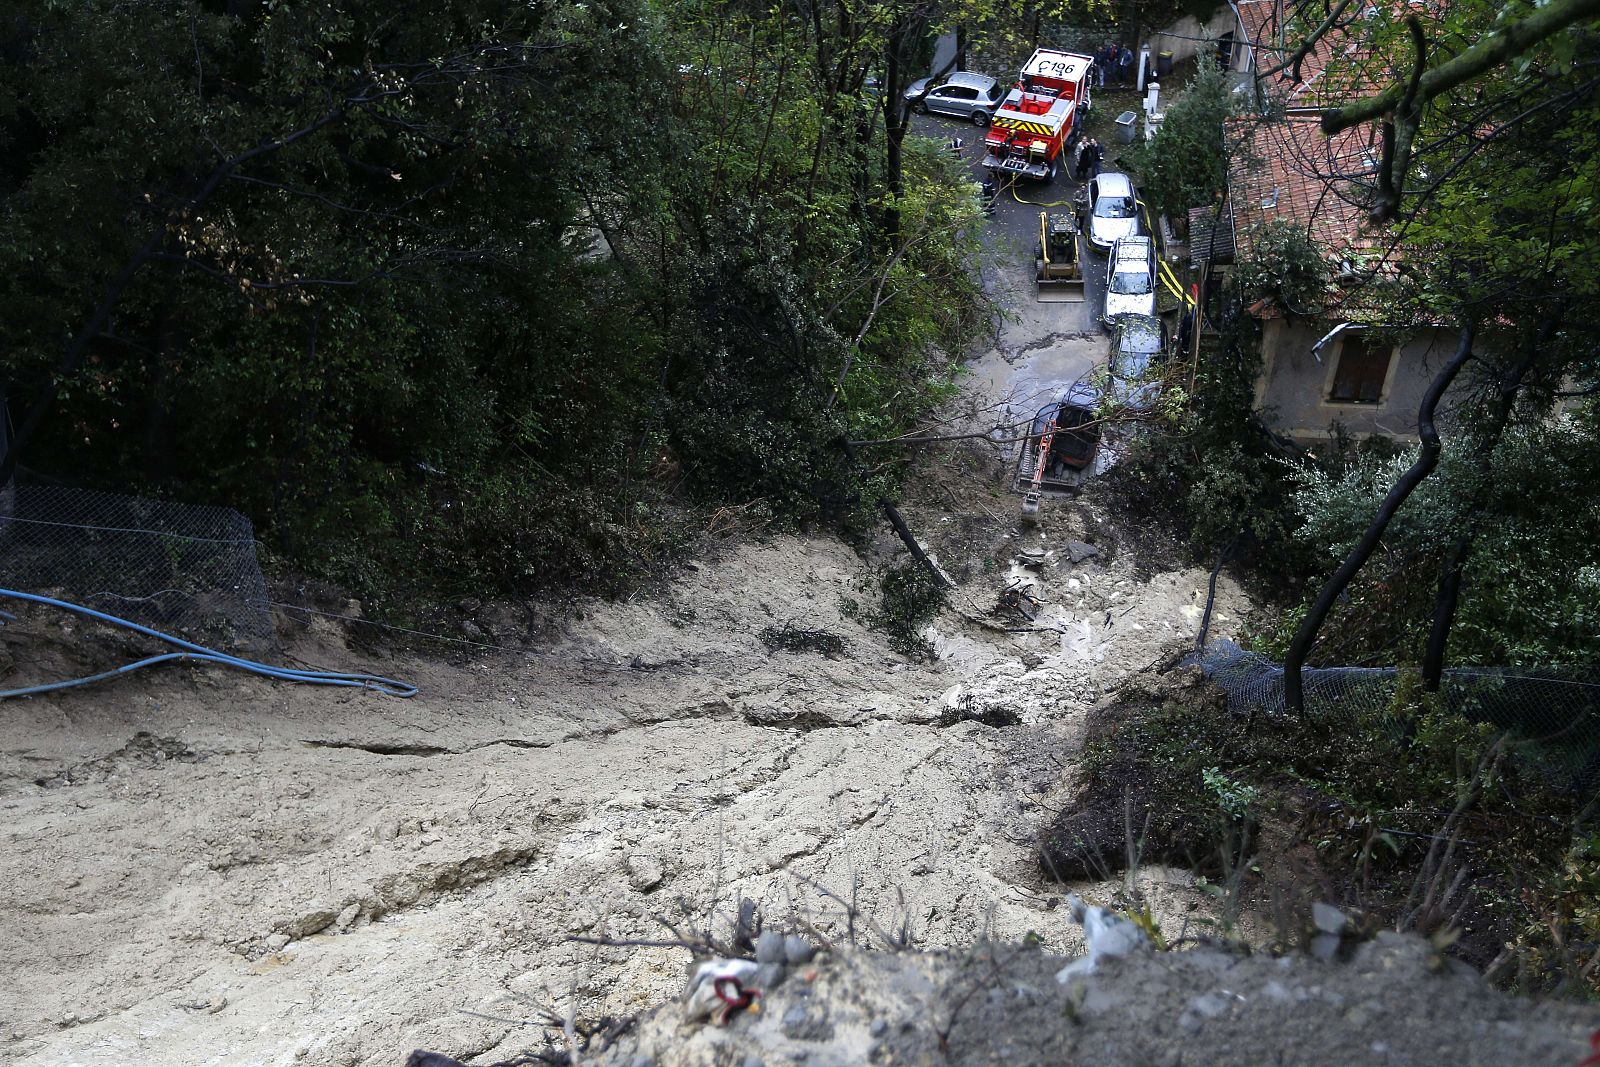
(1038, 120)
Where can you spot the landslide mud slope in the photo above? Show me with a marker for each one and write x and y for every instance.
(206, 868)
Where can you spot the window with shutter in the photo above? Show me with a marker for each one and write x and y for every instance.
(1363, 366)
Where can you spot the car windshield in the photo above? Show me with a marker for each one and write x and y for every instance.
(1141, 339)
(1114, 207)
(1130, 283)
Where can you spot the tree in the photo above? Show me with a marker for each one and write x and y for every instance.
(1187, 161)
(433, 299)
(1483, 165)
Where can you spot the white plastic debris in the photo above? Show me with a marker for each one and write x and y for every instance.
(719, 988)
(1105, 934)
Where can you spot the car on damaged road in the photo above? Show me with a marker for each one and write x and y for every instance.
(1138, 348)
(1130, 280)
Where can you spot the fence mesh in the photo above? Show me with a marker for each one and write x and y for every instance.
(187, 570)
(1552, 719)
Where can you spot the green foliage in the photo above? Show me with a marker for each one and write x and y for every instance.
(1561, 937)
(1217, 478)
(1284, 267)
(1233, 798)
(1186, 164)
(911, 596)
(433, 299)
(1345, 786)
(1534, 565)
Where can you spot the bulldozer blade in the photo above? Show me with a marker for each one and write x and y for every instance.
(1061, 293)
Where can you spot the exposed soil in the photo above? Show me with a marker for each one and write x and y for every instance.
(1394, 1001)
(207, 867)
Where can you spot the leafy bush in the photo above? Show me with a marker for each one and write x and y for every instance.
(436, 340)
(1363, 795)
(1531, 582)
(910, 597)
(1218, 479)
(1284, 266)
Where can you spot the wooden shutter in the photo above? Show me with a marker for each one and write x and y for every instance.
(1363, 365)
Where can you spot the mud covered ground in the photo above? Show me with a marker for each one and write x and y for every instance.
(210, 868)
(207, 868)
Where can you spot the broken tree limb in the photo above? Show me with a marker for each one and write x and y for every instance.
(1515, 38)
(912, 545)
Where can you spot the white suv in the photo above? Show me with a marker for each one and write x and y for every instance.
(1130, 279)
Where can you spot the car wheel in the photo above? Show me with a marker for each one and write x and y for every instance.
(921, 107)
(980, 118)
(1051, 177)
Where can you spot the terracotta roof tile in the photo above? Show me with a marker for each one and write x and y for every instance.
(1290, 170)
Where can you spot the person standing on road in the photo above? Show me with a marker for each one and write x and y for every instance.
(1085, 155)
(1125, 65)
(1102, 60)
(1097, 156)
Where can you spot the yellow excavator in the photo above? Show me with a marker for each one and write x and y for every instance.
(1058, 268)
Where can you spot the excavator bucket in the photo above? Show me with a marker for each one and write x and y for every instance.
(1058, 265)
(1060, 291)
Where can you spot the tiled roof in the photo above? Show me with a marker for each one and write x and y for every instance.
(1202, 244)
(1290, 170)
(1287, 169)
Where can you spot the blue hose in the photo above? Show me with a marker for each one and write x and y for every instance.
(198, 654)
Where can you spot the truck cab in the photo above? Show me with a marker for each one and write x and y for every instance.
(1039, 118)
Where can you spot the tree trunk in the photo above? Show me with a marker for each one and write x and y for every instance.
(1306, 635)
(1444, 606)
(904, 30)
(908, 539)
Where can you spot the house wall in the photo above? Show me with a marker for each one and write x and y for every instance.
(1292, 390)
(1181, 37)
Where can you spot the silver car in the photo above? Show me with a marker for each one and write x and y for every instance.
(1112, 210)
(965, 95)
(1138, 346)
(1130, 279)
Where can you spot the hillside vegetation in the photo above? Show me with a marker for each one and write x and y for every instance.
(472, 297)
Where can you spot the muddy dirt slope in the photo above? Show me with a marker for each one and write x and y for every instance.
(205, 868)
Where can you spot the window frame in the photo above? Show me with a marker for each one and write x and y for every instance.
(1372, 349)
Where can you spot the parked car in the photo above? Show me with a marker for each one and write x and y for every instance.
(1130, 279)
(1138, 345)
(965, 95)
(1112, 210)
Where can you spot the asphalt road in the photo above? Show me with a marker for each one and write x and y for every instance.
(1013, 234)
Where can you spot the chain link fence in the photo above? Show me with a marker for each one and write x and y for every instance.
(1552, 718)
(183, 569)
